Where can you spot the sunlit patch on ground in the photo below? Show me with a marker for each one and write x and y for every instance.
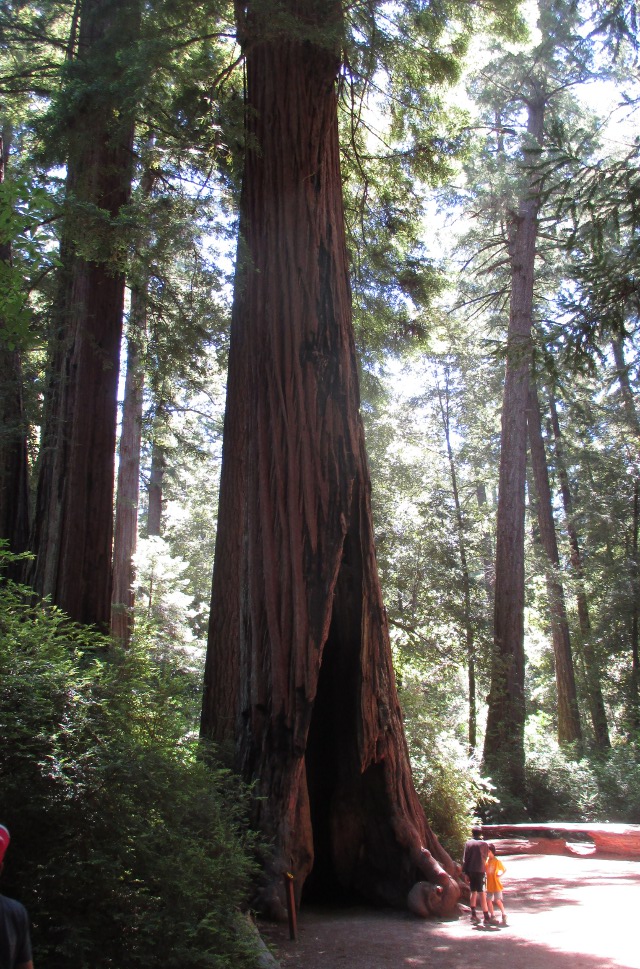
(564, 913)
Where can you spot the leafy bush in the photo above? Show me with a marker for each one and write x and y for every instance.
(618, 779)
(450, 788)
(563, 786)
(447, 781)
(127, 849)
(559, 785)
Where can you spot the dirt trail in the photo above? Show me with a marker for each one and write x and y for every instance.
(564, 913)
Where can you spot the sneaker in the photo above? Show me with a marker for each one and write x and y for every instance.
(504, 919)
(474, 918)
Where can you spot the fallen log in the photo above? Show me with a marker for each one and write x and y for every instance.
(573, 838)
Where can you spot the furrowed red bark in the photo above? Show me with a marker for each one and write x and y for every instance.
(74, 514)
(299, 681)
(504, 737)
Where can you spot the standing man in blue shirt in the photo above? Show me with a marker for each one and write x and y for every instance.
(15, 941)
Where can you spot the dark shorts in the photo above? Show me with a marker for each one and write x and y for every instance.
(476, 881)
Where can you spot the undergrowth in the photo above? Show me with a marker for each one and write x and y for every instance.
(127, 848)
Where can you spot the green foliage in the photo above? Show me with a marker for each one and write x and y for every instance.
(162, 600)
(447, 780)
(26, 213)
(561, 787)
(128, 850)
(451, 789)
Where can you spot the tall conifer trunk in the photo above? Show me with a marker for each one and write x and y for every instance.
(633, 420)
(156, 474)
(299, 683)
(488, 559)
(74, 515)
(504, 738)
(569, 729)
(128, 492)
(14, 463)
(443, 400)
(591, 665)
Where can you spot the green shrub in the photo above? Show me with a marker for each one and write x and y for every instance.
(448, 783)
(561, 785)
(127, 849)
(617, 775)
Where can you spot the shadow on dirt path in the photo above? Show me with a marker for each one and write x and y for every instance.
(564, 913)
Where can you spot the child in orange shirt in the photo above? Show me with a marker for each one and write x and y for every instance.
(494, 869)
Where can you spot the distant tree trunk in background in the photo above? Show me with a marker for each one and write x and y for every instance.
(622, 373)
(156, 477)
(74, 514)
(14, 462)
(569, 729)
(128, 492)
(590, 661)
(443, 401)
(504, 737)
(487, 553)
(634, 423)
(299, 680)
(635, 654)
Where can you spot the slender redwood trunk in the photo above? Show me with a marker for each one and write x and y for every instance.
(591, 665)
(74, 514)
(488, 561)
(635, 617)
(14, 461)
(128, 492)
(464, 568)
(156, 478)
(504, 738)
(634, 424)
(569, 729)
(299, 680)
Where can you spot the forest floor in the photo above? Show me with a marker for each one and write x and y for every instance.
(563, 913)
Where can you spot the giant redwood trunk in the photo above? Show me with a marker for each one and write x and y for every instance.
(504, 737)
(299, 685)
(74, 513)
(569, 729)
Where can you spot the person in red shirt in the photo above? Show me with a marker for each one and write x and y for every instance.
(15, 940)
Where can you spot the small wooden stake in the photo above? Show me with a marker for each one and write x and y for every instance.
(291, 905)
